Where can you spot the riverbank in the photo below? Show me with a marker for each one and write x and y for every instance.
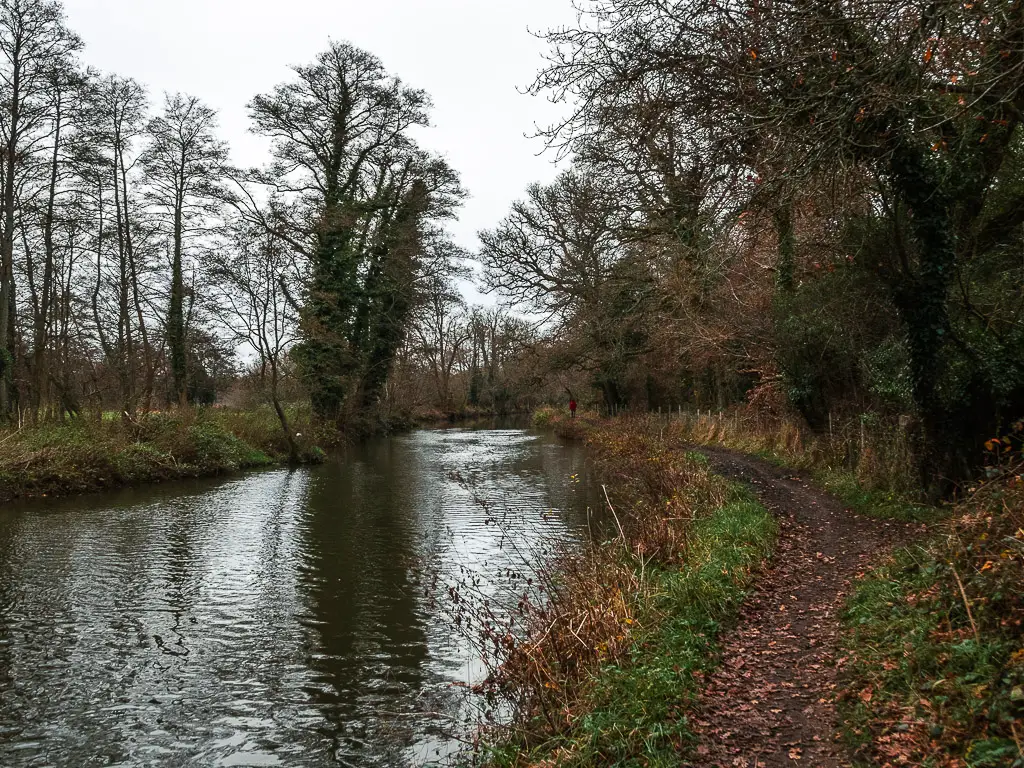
(611, 662)
(90, 454)
(465, 417)
(87, 454)
(926, 649)
(932, 637)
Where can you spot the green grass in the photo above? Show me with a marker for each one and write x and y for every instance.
(934, 642)
(90, 454)
(879, 503)
(636, 713)
(920, 681)
(883, 484)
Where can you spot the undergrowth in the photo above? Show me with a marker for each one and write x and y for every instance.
(563, 424)
(601, 670)
(932, 663)
(89, 454)
(935, 647)
(869, 465)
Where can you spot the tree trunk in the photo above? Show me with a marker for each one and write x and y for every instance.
(922, 298)
(176, 313)
(7, 241)
(787, 246)
(41, 338)
(293, 449)
(133, 273)
(125, 345)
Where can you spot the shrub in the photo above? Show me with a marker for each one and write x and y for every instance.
(88, 454)
(543, 417)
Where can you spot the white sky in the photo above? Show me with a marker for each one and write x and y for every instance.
(472, 56)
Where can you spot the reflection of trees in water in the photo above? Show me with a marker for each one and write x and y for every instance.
(64, 651)
(183, 577)
(570, 484)
(282, 605)
(8, 601)
(508, 504)
(368, 644)
(124, 621)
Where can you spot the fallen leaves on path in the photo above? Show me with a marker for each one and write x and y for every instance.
(772, 700)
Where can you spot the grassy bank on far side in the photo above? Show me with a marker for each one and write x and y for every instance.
(90, 454)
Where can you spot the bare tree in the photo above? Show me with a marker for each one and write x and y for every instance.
(185, 166)
(442, 331)
(107, 166)
(253, 282)
(34, 42)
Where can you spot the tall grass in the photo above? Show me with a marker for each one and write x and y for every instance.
(603, 657)
(867, 462)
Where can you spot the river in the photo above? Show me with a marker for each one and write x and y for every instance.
(273, 619)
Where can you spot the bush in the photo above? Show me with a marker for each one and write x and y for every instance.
(142, 461)
(87, 454)
(544, 417)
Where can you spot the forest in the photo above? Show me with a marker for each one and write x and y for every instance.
(141, 271)
(798, 206)
(786, 206)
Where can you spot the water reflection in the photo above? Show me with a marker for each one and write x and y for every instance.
(269, 620)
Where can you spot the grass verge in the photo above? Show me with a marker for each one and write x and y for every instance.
(871, 470)
(85, 454)
(932, 669)
(608, 664)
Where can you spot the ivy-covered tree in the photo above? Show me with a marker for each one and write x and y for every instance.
(356, 197)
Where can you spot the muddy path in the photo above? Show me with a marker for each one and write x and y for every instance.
(772, 700)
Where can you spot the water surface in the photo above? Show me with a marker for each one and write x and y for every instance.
(274, 619)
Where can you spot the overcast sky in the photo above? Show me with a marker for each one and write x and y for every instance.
(470, 55)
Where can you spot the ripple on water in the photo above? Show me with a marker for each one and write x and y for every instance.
(273, 619)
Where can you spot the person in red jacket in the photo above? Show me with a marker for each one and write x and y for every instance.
(572, 408)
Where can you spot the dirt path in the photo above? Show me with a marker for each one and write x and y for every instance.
(772, 700)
